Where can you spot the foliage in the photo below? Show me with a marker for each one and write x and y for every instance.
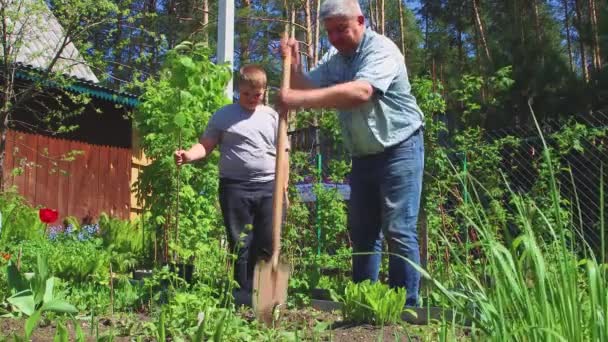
(373, 303)
(533, 287)
(19, 222)
(33, 295)
(70, 260)
(174, 111)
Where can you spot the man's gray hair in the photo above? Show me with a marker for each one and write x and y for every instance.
(339, 8)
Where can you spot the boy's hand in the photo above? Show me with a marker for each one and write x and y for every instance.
(182, 157)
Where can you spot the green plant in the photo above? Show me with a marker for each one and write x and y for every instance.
(174, 111)
(34, 295)
(533, 287)
(18, 222)
(373, 303)
(122, 236)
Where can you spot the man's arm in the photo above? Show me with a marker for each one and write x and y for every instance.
(339, 96)
(299, 80)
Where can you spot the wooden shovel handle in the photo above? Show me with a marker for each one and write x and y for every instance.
(277, 202)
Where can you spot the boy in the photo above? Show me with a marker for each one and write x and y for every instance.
(246, 133)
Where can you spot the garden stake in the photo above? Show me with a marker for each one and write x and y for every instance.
(179, 143)
(111, 292)
(270, 279)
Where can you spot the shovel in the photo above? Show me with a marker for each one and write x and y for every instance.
(270, 279)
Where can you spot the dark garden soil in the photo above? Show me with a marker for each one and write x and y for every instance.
(46, 331)
(310, 324)
(324, 326)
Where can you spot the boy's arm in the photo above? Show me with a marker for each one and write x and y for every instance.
(198, 151)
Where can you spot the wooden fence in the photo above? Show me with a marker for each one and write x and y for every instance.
(96, 180)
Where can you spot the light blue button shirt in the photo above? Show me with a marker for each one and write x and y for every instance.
(392, 114)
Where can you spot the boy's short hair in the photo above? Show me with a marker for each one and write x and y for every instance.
(252, 75)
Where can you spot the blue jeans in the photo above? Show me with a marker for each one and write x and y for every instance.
(385, 199)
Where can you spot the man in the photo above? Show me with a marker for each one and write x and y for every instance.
(365, 78)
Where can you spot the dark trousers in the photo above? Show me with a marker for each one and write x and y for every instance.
(247, 211)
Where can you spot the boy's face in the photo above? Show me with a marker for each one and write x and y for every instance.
(250, 96)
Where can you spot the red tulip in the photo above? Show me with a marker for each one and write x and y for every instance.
(48, 215)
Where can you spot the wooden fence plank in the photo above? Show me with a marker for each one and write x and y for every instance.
(114, 194)
(104, 179)
(42, 175)
(20, 161)
(96, 181)
(55, 176)
(31, 168)
(9, 161)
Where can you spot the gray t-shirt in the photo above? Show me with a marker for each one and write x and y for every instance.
(247, 142)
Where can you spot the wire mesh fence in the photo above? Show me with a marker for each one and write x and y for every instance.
(578, 148)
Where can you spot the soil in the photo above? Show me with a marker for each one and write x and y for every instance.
(46, 331)
(310, 324)
(325, 326)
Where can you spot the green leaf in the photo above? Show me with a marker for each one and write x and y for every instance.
(24, 304)
(43, 268)
(62, 333)
(79, 333)
(161, 327)
(59, 306)
(16, 281)
(48, 293)
(31, 323)
(179, 120)
(219, 330)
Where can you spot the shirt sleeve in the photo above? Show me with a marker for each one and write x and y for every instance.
(378, 67)
(213, 130)
(318, 76)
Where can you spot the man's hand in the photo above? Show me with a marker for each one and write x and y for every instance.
(182, 157)
(286, 100)
(291, 45)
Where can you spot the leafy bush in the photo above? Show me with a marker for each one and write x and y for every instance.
(174, 112)
(19, 221)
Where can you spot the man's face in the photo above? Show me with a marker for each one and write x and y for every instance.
(250, 96)
(345, 33)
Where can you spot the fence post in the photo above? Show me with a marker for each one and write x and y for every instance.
(320, 182)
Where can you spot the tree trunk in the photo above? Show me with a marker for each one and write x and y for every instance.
(5, 115)
(539, 32)
(461, 61)
(568, 35)
(382, 21)
(377, 11)
(402, 28)
(317, 29)
(293, 21)
(479, 25)
(309, 47)
(372, 15)
(581, 42)
(243, 37)
(206, 22)
(595, 39)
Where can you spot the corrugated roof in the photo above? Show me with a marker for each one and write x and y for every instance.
(42, 36)
(28, 72)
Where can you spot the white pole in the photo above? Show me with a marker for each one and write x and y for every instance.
(225, 37)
